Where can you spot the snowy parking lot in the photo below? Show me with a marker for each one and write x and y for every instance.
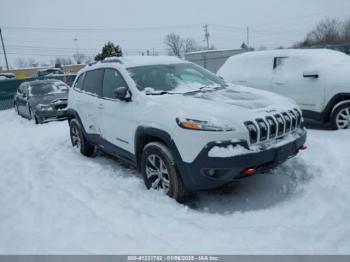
(54, 200)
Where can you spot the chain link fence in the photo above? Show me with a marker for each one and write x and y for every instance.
(8, 88)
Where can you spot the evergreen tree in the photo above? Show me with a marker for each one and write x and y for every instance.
(109, 50)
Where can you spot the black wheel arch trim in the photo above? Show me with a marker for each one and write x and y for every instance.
(165, 137)
(338, 98)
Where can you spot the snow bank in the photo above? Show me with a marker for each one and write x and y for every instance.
(56, 201)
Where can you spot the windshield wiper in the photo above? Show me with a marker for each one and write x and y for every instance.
(210, 88)
(162, 93)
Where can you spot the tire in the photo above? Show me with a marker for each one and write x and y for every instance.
(341, 117)
(34, 117)
(159, 171)
(31, 114)
(78, 139)
(16, 108)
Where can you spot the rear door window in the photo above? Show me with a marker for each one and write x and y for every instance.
(93, 82)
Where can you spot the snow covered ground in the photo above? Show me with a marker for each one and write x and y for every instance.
(54, 200)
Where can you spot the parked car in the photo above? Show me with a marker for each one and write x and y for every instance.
(42, 100)
(317, 79)
(49, 71)
(183, 127)
(7, 76)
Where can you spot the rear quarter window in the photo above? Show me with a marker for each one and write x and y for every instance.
(79, 83)
(93, 81)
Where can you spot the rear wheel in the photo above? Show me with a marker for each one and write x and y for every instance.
(78, 139)
(341, 117)
(159, 171)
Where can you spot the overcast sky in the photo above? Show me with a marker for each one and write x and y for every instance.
(44, 29)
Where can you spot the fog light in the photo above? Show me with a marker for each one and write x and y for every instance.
(211, 172)
(303, 147)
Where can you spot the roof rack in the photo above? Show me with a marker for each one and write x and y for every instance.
(112, 60)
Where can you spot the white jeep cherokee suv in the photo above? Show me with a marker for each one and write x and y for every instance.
(317, 79)
(183, 127)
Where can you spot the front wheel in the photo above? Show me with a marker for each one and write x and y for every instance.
(341, 117)
(159, 171)
(78, 139)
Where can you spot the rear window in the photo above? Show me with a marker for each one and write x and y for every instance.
(93, 81)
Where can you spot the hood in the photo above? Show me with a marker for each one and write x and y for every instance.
(47, 99)
(225, 106)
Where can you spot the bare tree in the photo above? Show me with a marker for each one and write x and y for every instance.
(346, 30)
(175, 44)
(21, 63)
(191, 45)
(327, 31)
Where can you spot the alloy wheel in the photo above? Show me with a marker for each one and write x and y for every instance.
(75, 134)
(343, 118)
(157, 173)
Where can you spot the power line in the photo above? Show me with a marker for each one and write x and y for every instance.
(98, 29)
(3, 48)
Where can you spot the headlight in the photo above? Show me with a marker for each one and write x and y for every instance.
(201, 125)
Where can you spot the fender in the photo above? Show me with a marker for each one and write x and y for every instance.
(338, 105)
(144, 131)
(333, 102)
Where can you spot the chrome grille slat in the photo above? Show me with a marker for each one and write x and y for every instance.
(278, 125)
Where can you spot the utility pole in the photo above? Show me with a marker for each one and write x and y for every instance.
(76, 47)
(3, 48)
(248, 36)
(206, 35)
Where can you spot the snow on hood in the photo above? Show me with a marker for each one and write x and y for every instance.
(236, 96)
(223, 106)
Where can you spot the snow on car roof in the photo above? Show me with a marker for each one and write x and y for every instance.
(312, 54)
(132, 61)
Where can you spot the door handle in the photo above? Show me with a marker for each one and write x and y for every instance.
(100, 106)
(242, 81)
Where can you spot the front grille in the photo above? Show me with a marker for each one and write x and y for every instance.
(298, 114)
(287, 121)
(253, 131)
(273, 126)
(263, 129)
(280, 125)
(294, 120)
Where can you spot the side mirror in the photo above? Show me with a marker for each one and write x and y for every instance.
(310, 74)
(122, 93)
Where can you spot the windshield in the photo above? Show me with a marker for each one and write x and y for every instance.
(182, 78)
(47, 88)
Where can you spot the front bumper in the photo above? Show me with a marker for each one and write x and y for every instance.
(211, 172)
(51, 115)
